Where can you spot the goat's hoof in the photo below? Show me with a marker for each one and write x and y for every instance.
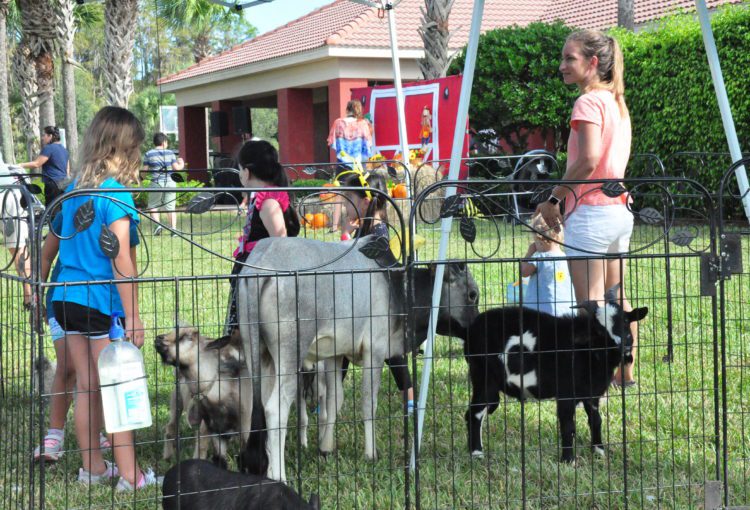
(569, 460)
(599, 451)
(324, 454)
(477, 454)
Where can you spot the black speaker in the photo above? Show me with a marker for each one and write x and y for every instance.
(241, 118)
(218, 124)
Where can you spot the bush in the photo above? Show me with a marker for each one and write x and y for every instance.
(517, 86)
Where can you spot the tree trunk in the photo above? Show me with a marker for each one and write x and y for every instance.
(67, 24)
(626, 14)
(435, 35)
(201, 46)
(24, 72)
(6, 132)
(45, 80)
(120, 18)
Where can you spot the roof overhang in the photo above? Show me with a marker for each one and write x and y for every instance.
(306, 69)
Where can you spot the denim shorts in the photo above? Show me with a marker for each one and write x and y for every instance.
(598, 229)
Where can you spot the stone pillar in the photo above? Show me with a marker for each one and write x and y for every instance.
(193, 144)
(340, 93)
(295, 110)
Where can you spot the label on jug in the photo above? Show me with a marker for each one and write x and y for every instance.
(133, 401)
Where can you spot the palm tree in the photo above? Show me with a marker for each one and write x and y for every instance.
(24, 72)
(625, 14)
(64, 10)
(41, 38)
(120, 17)
(6, 133)
(201, 17)
(435, 35)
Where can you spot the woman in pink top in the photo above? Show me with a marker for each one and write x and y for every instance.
(598, 148)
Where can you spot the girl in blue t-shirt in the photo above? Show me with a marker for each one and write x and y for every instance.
(110, 160)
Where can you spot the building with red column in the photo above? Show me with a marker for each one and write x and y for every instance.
(307, 68)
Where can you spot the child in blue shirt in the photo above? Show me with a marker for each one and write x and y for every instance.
(63, 384)
(110, 159)
(550, 288)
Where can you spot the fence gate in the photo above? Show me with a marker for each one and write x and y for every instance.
(733, 275)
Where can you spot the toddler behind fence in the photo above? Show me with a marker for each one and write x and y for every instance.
(550, 288)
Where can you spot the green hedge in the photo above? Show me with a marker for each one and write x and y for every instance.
(668, 84)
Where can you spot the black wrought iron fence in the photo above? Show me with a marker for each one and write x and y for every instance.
(674, 439)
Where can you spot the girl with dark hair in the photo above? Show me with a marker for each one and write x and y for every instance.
(54, 162)
(369, 209)
(270, 213)
(598, 148)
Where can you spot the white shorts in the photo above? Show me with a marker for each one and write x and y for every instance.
(14, 226)
(598, 229)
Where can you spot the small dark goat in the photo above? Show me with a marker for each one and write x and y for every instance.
(205, 486)
(529, 354)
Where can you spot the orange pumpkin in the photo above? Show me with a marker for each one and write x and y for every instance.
(320, 220)
(309, 217)
(327, 197)
(399, 191)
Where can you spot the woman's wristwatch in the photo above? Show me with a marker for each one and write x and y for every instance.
(553, 200)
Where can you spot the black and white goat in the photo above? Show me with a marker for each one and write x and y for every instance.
(528, 354)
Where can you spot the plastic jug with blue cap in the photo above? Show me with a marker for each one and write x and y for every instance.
(122, 377)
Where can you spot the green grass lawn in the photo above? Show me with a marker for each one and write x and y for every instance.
(661, 435)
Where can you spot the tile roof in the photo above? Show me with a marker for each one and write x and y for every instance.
(598, 14)
(346, 24)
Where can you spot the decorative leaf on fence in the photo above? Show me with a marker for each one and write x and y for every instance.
(309, 170)
(613, 189)
(682, 237)
(109, 243)
(650, 216)
(468, 229)
(177, 177)
(392, 171)
(84, 216)
(452, 206)
(8, 228)
(201, 203)
(375, 248)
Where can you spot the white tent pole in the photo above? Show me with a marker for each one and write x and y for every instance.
(721, 96)
(404, 141)
(459, 134)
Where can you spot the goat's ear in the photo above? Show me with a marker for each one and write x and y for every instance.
(314, 501)
(589, 306)
(613, 295)
(637, 314)
(219, 343)
(232, 367)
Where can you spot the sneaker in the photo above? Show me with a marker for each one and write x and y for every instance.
(87, 478)
(157, 230)
(104, 443)
(144, 480)
(53, 449)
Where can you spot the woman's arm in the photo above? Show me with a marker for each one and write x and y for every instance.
(49, 251)
(123, 269)
(589, 154)
(273, 218)
(37, 163)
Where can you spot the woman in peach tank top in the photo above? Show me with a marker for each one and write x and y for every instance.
(598, 148)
